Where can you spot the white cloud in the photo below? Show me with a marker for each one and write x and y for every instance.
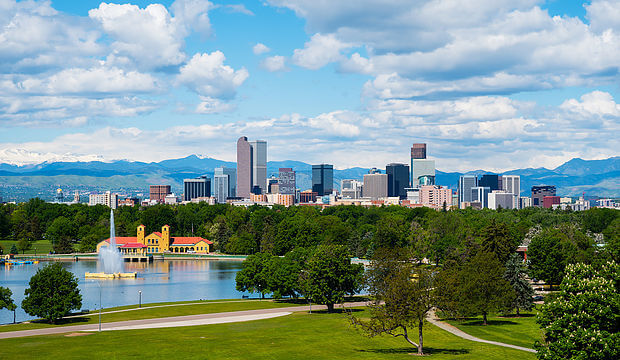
(193, 14)
(596, 103)
(239, 8)
(260, 48)
(150, 37)
(210, 105)
(274, 63)
(319, 51)
(207, 75)
(603, 15)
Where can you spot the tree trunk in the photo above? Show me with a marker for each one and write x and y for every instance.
(518, 312)
(13, 316)
(484, 318)
(406, 336)
(330, 308)
(420, 350)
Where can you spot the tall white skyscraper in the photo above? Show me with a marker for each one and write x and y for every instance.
(512, 184)
(466, 183)
(220, 187)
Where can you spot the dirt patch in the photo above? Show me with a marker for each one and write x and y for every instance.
(78, 334)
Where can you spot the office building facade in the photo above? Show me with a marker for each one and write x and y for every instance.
(418, 151)
(539, 192)
(286, 181)
(323, 179)
(481, 194)
(398, 179)
(375, 186)
(492, 181)
(435, 196)
(195, 188)
(512, 184)
(466, 183)
(500, 198)
(108, 199)
(158, 192)
(351, 189)
(221, 186)
(251, 166)
(232, 179)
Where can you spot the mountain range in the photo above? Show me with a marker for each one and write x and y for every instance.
(17, 183)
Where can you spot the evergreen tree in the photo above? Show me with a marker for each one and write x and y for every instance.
(515, 274)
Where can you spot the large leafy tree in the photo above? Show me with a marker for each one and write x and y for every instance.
(52, 293)
(515, 274)
(62, 233)
(499, 238)
(6, 301)
(254, 277)
(582, 320)
(402, 297)
(476, 288)
(329, 275)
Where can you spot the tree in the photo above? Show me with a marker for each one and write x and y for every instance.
(6, 302)
(14, 249)
(255, 274)
(476, 288)
(23, 244)
(515, 274)
(61, 233)
(581, 321)
(402, 297)
(498, 238)
(329, 275)
(52, 294)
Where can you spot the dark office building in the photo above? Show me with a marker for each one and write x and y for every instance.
(195, 188)
(493, 182)
(323, 179)
(539, 192)
(418, 151)
(398, 179)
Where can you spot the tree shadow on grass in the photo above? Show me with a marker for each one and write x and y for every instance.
(66, 321)
(520, 316)
(412, 350)
(337, 311)
(478, 322)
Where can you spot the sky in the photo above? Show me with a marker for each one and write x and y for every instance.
(487, 84)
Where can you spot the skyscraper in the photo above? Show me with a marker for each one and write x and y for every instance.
(422, 169)
(220, 187)
(286, 181)
(375, 186)
(259, 164)
(323, 179)
(491, 181)
(195, 188)
(466, 183)
(251, 166)
(480, 194)
(512, 184)
(159, 192)
(398, 179)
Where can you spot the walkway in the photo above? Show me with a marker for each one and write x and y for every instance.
(188, 320)
(433, 319)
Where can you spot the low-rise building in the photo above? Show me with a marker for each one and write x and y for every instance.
(159, 242)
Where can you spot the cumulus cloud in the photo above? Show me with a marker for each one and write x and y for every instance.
(274, 63)
(260, 48)
(596, 103)
(207, 75)
(209, 105)
(319, 51)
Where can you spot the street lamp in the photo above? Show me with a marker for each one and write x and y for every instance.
(96, 282)
(140, 294)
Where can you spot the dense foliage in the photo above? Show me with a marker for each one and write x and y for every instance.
(52, 293)
(6, 300)
(583, 320)
(436, 235)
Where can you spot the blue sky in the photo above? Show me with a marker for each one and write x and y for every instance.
(492, 84)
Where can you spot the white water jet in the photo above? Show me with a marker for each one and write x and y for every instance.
(110, 258)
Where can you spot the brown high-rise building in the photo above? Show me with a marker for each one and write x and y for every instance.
(244, 167)
(418, 151)
(159, 192)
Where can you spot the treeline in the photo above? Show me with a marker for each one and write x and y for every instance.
(437, 235)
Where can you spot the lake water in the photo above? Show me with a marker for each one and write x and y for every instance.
(159, 281)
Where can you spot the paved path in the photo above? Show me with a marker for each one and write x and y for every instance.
(433, 319)
(187, 320)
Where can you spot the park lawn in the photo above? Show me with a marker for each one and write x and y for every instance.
(521, 331)
(295, 336)
(42, 246)
(206, 307)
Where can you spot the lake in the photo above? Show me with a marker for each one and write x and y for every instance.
(159, 281)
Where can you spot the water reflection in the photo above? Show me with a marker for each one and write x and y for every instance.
(159, 281)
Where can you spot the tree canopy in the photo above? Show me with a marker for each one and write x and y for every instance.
(52, 293)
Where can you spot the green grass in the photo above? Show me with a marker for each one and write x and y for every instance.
(207, 307)
(43, 246)
(521, 331)
(296, 336)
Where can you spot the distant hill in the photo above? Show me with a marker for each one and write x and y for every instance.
(595, 177)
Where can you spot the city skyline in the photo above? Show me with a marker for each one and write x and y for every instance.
(494, 85)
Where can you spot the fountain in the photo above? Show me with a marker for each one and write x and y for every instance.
(111, 259)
